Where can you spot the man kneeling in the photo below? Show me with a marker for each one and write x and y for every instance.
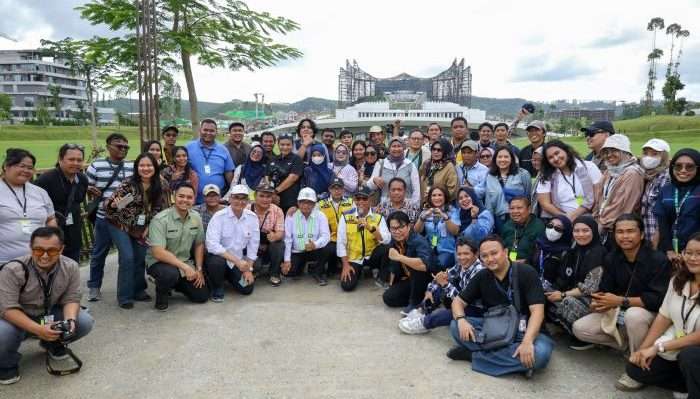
(24, 285)
(530, 349)
(172, 234)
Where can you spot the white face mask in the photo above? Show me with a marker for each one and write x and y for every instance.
(552, 235)
(317, 160)
(650, 162)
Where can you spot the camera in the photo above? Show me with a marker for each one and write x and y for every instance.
(64, 327)
(529, 108)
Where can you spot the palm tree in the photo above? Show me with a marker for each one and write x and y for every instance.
(682, 35)
(672, 30)
(656, 23)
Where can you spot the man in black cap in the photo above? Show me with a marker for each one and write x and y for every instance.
(169, 139)
(361, 234)
(596, 134)
(536, 133)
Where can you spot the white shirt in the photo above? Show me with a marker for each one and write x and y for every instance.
(320, 234)
(565, 194)
(228, 233)
(341, 246)
(672, 308)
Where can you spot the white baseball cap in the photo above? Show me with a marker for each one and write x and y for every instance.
(618, 142)
(239, 189)
(211, 188)
(657, 145)
(308, 194)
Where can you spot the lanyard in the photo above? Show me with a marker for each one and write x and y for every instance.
(676, 205)
(24, 193)
(46, 287)
(418, 156)
(264, 217)
(206, 156)
(571, 184)
(509, 293)
(686, 316)
(337, 217)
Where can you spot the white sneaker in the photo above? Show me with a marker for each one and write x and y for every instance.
(94, 295)
(628, 384)
(414, 314)
(680, 395)
(412, 326)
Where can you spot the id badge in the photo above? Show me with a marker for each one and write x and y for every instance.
(242, 282)
(26, 226)
(579, 200)
(141, 220)
(675, 245)
(434, 241)
(48, 319)
(680, 333)
(207, 169)
(523, 326)
(512, 255)
(69, 219)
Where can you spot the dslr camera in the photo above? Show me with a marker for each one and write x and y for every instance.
(64, 327)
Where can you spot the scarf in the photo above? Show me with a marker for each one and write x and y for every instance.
(337, 163)
(253, 171)
(650, 174)
(433, 166)
(318, 177)
(627, 160)
(398, 160)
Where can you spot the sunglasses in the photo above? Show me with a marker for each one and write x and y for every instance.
(556, 228)
(39, 252)
(436, 149)
(685, 166)
(368, 153)
(397, 228)
(485, 156)
(71, 146)
(121, 147)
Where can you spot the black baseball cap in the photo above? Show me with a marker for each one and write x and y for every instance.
(598, 125)
(337, 181)
(363, 191)
(169, 128)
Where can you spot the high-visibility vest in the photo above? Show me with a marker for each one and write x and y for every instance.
(326, 206)
(360, 242)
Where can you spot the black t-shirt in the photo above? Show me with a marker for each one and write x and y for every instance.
(483, 286)
(57, 186)
(281, 167)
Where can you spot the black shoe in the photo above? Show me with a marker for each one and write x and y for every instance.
(127, 305)
(529, 373)
(460, 353)
(143, 297)
(9, 376)
(322, 281)
(578, 345)
(57, 352)
(161, 302)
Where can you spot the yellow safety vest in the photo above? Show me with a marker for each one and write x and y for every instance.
(360, 242)
(333, 216)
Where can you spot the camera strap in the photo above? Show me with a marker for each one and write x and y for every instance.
(61, 373)
(46, 286)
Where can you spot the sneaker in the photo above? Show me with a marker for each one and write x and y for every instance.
(127, 305)
(628, 384)
(407, 310)
(460, 353)
(578, 345)
(9, 376)
(415, 313)
(529, 373)
(94, 295)
(57, 352)
(161, 301)
(217, 295)
(680, 395)
(323, 280)
(412, 326)
(275, 281)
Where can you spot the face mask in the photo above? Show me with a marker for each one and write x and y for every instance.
(317, 160)
(552, 235)
(650, 162)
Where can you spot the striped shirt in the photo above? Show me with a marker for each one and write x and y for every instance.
(100, 171)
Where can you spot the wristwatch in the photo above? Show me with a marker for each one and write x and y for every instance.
(563, 295)
(460, 317)
(625, 303)
(372, 229)
(660, 347)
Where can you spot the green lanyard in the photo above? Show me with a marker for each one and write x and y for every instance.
(677, 206)
(311, 222)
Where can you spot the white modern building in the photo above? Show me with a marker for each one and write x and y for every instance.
(428, 111)
(27, 75)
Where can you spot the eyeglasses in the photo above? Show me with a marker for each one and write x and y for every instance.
(436, 149)
(24, 166)
(485, 156)
(685, 166)
(39, 252)
(691, 255)
(121, 147)
(556, 228)
(342, 152)
(397, 228)
(368, 153)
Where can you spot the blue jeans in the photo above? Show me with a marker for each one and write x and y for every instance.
(446, 260)
(501, 361)
(443, 317)
(11, 336)
(100, 248)
(131, 278)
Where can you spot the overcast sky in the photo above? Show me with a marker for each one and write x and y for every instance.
(540, 50)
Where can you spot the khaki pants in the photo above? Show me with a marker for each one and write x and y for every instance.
(637, 323)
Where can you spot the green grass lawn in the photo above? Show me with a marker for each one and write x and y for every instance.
(44, 142)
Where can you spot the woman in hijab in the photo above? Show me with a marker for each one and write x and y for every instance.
(678, 207)
(577, 278)
(343, 169)
(655, 160)
(439, 171)
(550, 249)
(475, 221)
(253, 170)
(318, 174)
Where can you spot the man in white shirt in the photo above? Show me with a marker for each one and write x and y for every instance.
(306, 233)
(361, 234)
(233, 236)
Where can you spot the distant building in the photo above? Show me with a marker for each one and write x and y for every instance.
(26, 76)
(591, 114)
(427, 111)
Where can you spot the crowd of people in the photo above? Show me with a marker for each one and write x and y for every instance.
(500, 244)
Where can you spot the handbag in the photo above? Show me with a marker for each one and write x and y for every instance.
(94, 205)
(501, 322)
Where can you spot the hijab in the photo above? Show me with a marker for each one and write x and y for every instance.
(465, 215)
(318, 177)
(695, 156)
(581, 259)
(253, 171)
(397, 161)
(337, 163)
(560, 245)
(432, 165)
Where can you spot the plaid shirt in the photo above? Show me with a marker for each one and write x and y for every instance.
(457, 279)
(649, 198)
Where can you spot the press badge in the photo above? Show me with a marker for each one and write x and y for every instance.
(513, 255)
(523, 325)
(207, 169)
(434, 241)
(141, 220)
(680, 333)
(26, 226)
(48, 319)
(579, 200)
(69, 219)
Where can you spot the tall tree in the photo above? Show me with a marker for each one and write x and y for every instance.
(219, 33)
(672, 86)
(682, 35)
(654, 25)
(672, 30)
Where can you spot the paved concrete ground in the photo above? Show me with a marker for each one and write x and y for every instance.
(296, 341)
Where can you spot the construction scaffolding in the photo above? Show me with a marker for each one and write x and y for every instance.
(147, 70)
(452, 85)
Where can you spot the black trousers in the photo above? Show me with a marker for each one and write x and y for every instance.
(328, 263)
(375, 261)
(682, 375)
(410, 291)
(168, 278)
(218, 271)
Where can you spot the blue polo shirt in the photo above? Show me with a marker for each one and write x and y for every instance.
(219, 161)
